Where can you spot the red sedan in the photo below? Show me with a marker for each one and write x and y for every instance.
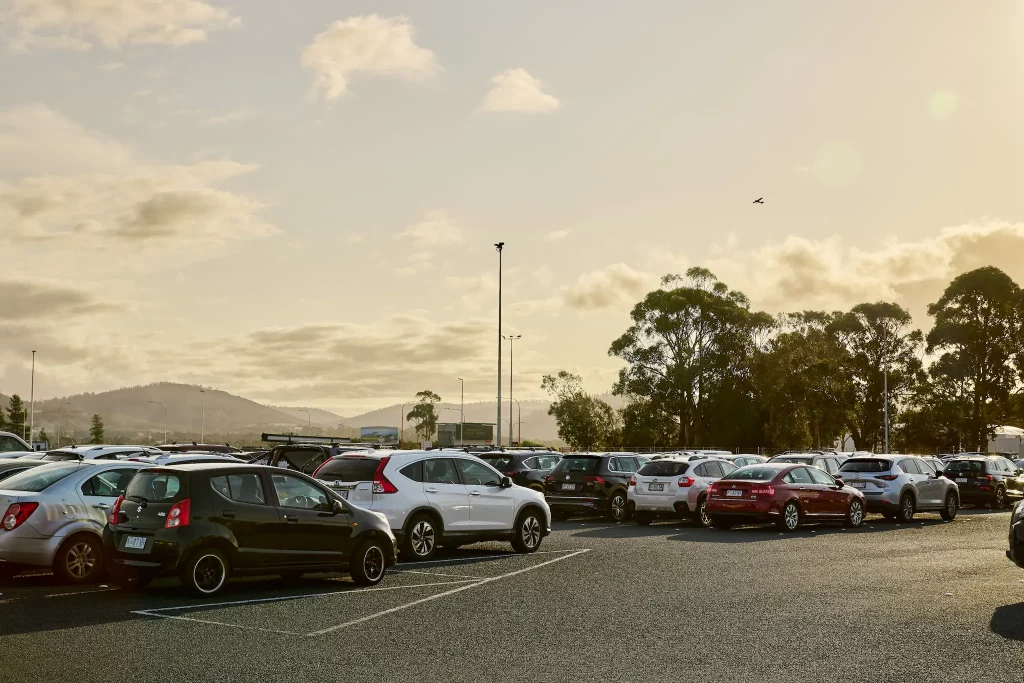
(785, 494)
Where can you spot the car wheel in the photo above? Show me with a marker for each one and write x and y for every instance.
(789, 520)
(367, 564)
(1000, 500)
(700, 516)
(422, 540)
(723, 524)
(206, 573)
(617, 507)
(528, 533)
(906, 513)
(855, 514)
(642, 518)
(128, 579)
(949, 510)
(79, 560)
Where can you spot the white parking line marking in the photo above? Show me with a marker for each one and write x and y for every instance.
(457, 576)
(483, 557)
(444, 594)
(98, 590)
(216, 623)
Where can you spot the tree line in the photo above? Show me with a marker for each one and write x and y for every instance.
(704, 369)
(17, 422)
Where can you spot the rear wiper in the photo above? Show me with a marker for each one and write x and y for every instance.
(140, 499)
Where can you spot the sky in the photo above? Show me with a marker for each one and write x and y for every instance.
(297, 202)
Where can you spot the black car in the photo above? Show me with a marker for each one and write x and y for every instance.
(584, 483)
(1016, 540)
(524, 469)
(305, 458)
(985, 479)
(206, 523)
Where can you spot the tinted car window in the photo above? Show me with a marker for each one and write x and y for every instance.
(801, 475)
(727, 468)
(831, 465)
(701, 470)
(40, 478)
(714, 469)
(663, 468)
(546, 462)
(6, 474)
(821, 477)
(243, 488)
(502, 464)
(793, 459)
(293, 492)
(9, 445)
(347, 468)
(110, 484)
(965, 466)
(440, 471)
(156, 487)
(754, 473)
(413, 471)
(571, 464)
(304, 460)
(865, 465)
(478, 474)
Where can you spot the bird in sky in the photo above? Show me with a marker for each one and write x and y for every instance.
(759, 200)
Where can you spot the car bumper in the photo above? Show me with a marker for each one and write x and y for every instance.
(158, 557)
(577, 503)
(742, 509)
(657, 504)
(22, 548)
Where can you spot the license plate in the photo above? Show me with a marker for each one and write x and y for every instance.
(135, 542)
(735, 493)
(858, 485)
(961, 480)
(655, 487)
(344, 494)
(568, 487)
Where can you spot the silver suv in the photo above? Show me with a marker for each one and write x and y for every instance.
(900, 485)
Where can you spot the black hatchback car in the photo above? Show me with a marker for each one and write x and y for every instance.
(524, 469)
(985, 479)
(583, 483)
(208, 522)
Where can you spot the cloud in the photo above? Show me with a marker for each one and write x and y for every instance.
(435, 230)
(556, 235)
(113, 66)
(366, 46)
(82, 24)
(24, 300)
(515, 90)
(615, 285)
(233, 116)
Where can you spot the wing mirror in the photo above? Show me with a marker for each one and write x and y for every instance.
(839, 483)
(506, 483)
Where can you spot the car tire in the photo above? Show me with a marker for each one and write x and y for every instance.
(367, 565)
(700, 515)
(789, 520)
(528, 532)
(951, 507)
(855, 513)
(206, 573)
(723, 524)
(422, 539)
(617, 510)
(999, 502)
(642, 518)
(79, 560)
(906, 512)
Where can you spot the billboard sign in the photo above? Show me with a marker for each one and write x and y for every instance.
(385, 436)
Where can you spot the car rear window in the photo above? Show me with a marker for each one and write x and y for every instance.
(349, 468)
(663, 468)
(754, 473)
(157, 487)
(866, 465)
(965, 466)
(793, 459)
(39, 479)
(59, 457)
(501, 464)
(570, 464)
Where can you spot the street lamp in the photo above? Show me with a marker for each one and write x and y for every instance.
(58, 422)
(462, 408)
(202, 428)
(32, 404)
(499, 246)
(165, 417)
(309, 420)
(500, 420)
(511, 338)
(520, 422)
(401, 424)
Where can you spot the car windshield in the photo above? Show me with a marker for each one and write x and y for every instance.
(754, 473)
(663, 468)
(40, 478)
(798, 460)
(579, 464)
(866, 465)
(965, 466)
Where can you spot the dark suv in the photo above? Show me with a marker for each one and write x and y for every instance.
(305, 458)
(590, 482)
(524, 469)
(985, 479)
(208, 522)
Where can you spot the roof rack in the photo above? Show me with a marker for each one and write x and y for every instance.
(299, 439)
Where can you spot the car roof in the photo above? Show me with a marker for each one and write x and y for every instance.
(217, 465)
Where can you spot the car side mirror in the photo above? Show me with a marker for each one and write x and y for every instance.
(506, 483)
(839, 483)
(339, 507)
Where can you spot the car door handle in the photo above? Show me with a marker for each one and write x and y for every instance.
(101, 506)
(805, 489)
(430, 490)
(291, 518)
(228, 514)
(474, 493)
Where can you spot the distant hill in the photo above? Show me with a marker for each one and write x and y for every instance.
(317, 416)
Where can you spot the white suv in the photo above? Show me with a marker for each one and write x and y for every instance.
(675, 486)
(439, 498)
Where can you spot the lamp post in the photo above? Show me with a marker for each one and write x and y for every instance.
(511, 338)
(520, 406)
(401, 424)
(202, 428)
(462, 408)
(500, 420)
(309, 420)
(165, 417)
(58, 422)
(499, 246)
(32, 404)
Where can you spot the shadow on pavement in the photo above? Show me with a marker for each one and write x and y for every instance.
(1008, 621)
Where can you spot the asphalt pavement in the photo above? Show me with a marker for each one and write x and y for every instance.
(915, 602)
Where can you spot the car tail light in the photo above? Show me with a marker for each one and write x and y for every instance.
(886, 477)
(178, 516)
(685, 482)
(18, 513)
(115, 512)
(989, 477)
(549, 478)
(380, 482)
(632, 480)
(320, 467)
(712, 489)
(597, 481)
(763, 491)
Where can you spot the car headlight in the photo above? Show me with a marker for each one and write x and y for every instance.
(1018, 512)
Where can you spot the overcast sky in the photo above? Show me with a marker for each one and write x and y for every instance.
(297, 201)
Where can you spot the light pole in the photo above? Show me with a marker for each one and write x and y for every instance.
(885, 399)
(462, 408)
(32, 403)
(401, 424)
(499, 246)
(309, 420)
(500, 420)
(511, 338)
(165, 417)
(520, 406)
(202, 428)
(58, 422)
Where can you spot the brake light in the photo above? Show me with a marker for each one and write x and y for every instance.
(685, 482)
(115, 512)
(989, 477)
(763, 491)
(320, 467)
(886, 477)
(18, 513)
(380, 482)
(179, 514)
(598, 481)
(712, 489)
(549, 478)
(513, 473)
(632, 481)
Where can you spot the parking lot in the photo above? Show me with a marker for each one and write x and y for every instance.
(924, 601)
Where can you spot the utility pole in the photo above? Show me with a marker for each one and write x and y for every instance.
(32, 404)
(499, 246)
(462, 408)
(401, 425)
(58, 422)
(165, 417)
(202, 428)
(309, 421)
(885, 399)
(511, 338)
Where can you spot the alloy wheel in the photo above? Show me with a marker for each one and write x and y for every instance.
(791, 516)
(531, 532)
(856, 513)
(209, 573)
(951, 505)
(705, 518)
(373, 563)
(423, 538)
(1000, 499)
(618, 507)
(908, 508)
(80, 560)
